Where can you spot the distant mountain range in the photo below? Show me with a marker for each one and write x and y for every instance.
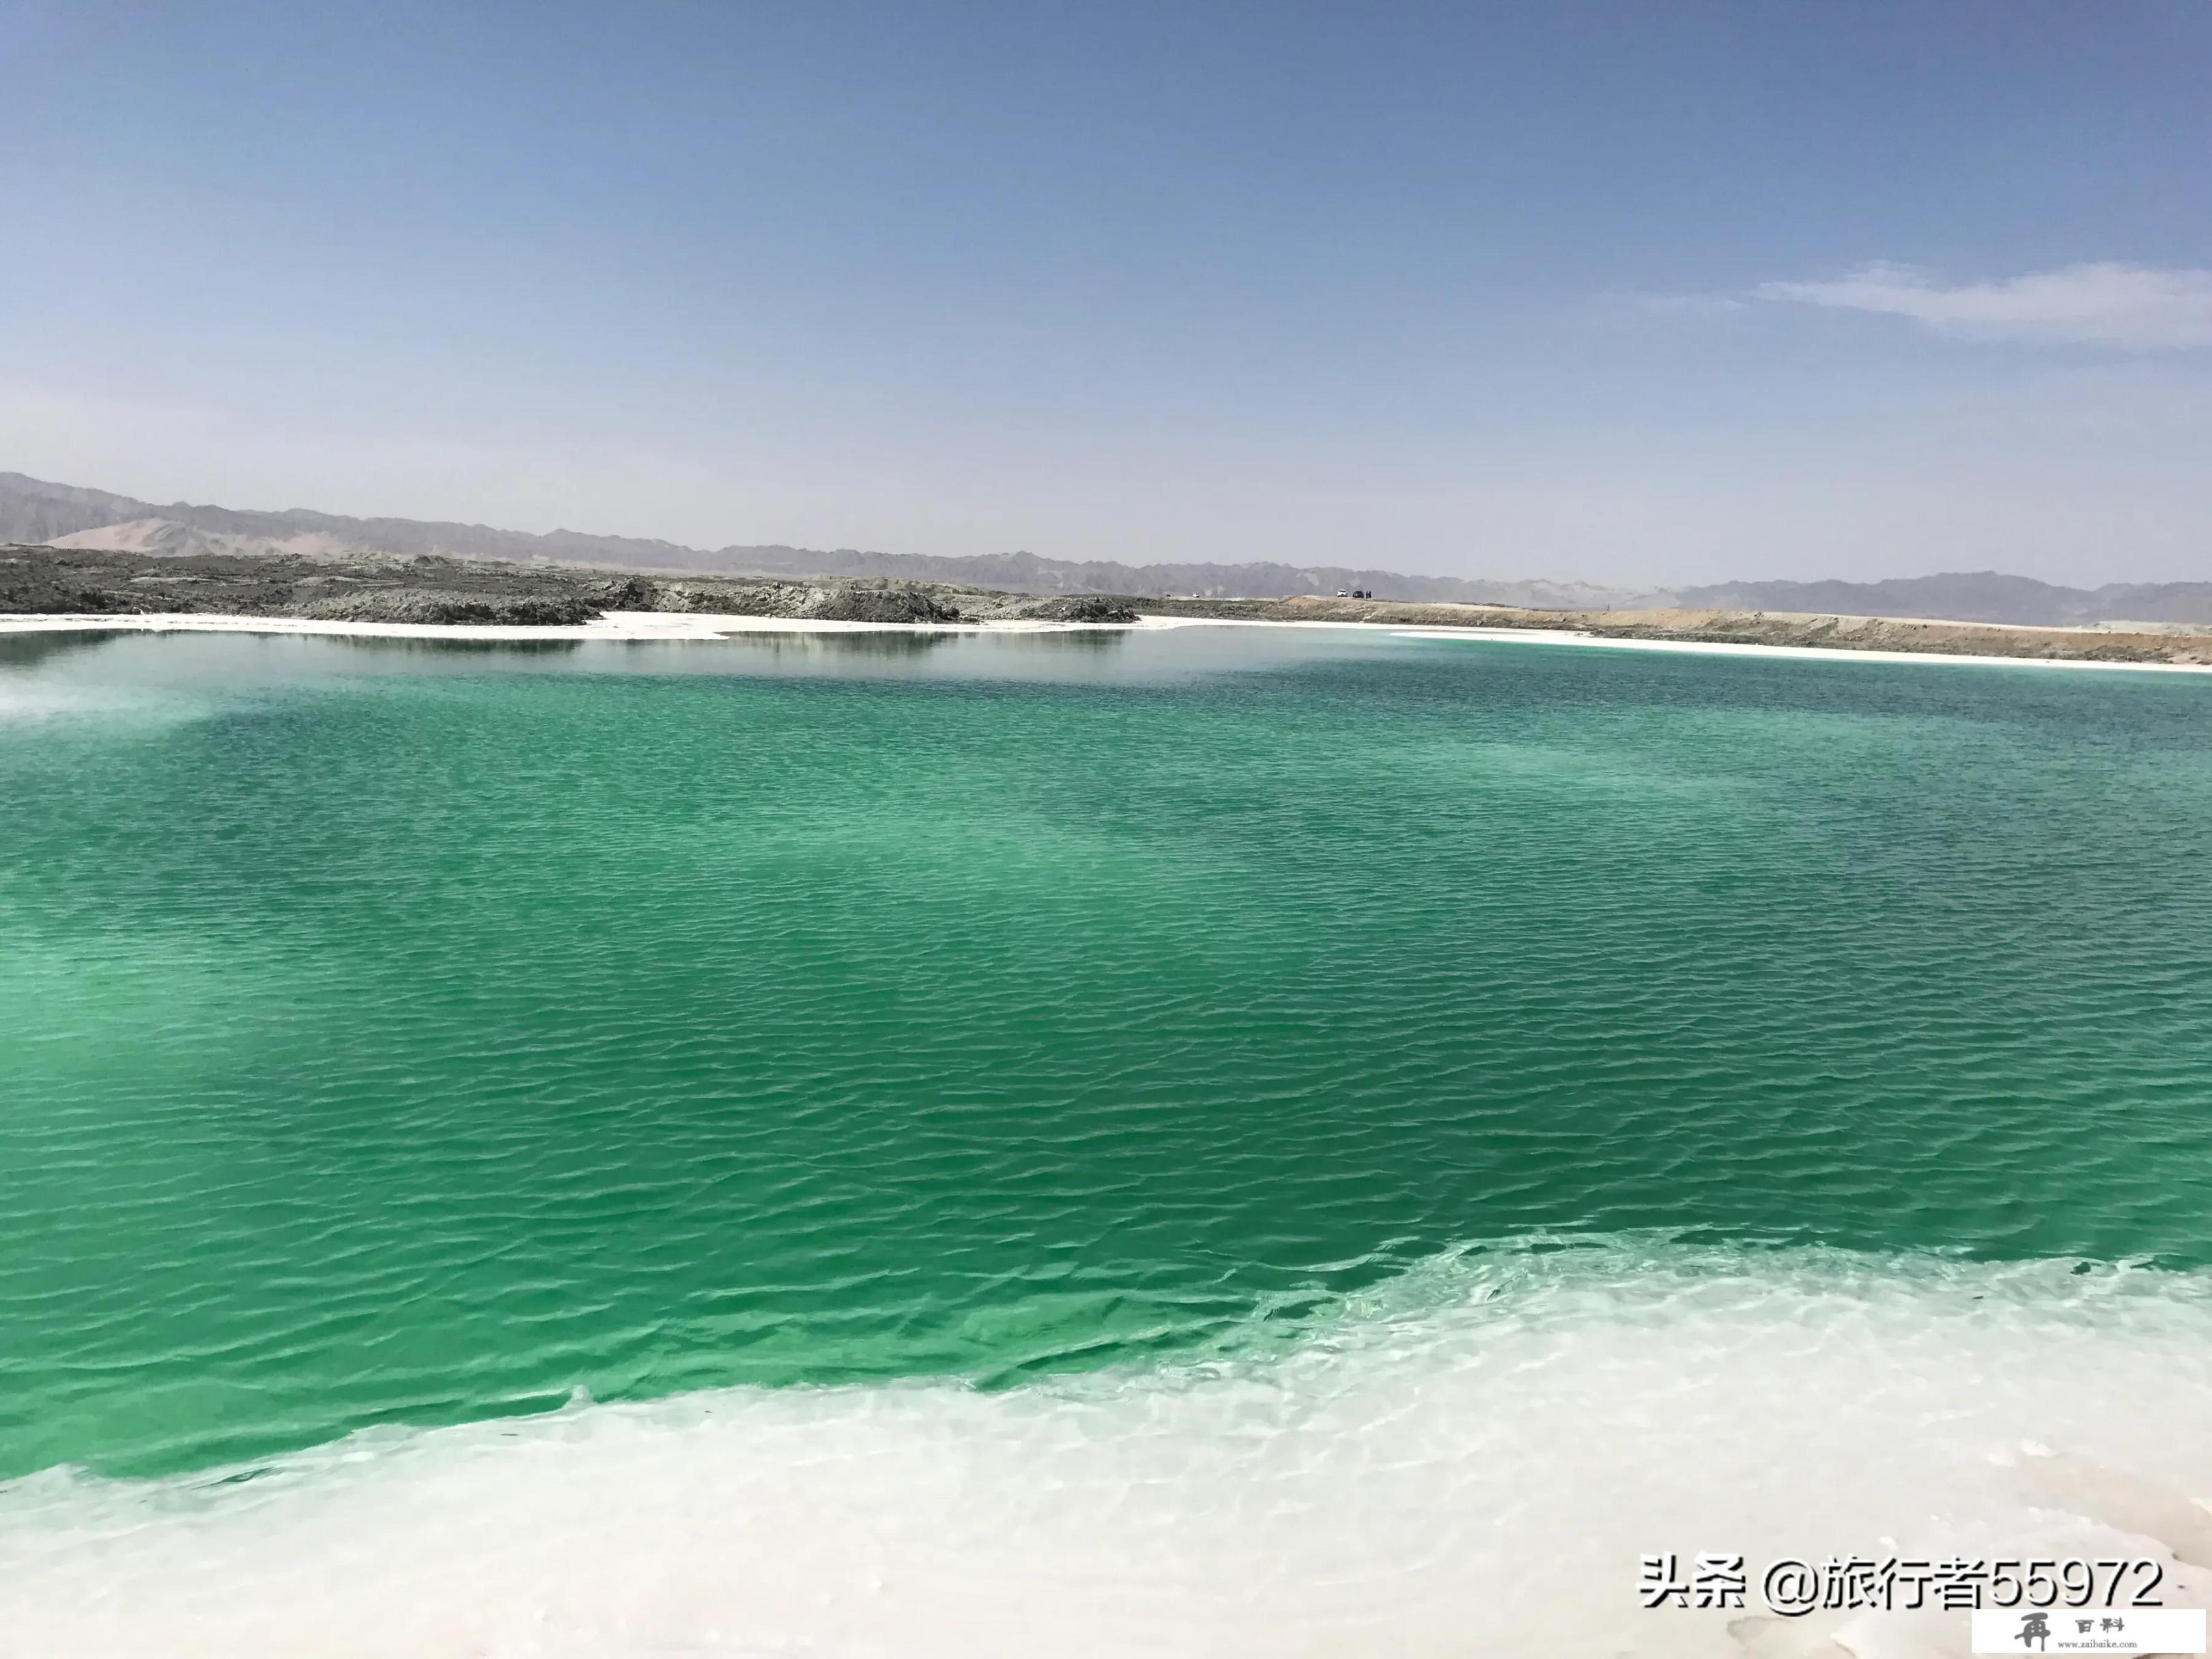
(32, 510)
(1980, 596)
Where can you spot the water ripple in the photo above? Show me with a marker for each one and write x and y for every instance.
(397, 1040)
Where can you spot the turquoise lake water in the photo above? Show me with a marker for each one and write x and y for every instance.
(399, 1035)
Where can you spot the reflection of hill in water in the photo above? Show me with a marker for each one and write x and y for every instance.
(868, 646)
(29, 650)
(904, 646)
(1090, 641)
(416, 646)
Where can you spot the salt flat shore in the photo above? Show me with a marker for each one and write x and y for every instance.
(647, 626)
(634, 625)
(1871, 638)
(1828, 654)
(48, 590)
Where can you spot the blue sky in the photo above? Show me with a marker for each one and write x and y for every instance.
(1620, 292)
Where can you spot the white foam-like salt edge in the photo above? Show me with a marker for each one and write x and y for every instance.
(1716, 647)
(1471, 1464)
(640, 625)
(607, 625)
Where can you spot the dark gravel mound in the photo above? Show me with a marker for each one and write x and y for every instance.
(731, 599)
(628, 593)
(427, 589)
(34, 586)
(415, 604)
(882, 604)
(1083, 608)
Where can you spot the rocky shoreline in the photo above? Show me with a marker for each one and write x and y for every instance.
(42, 580)
(55, 581)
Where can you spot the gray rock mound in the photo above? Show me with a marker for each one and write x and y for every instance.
(414, 605)
(866, 602)
(1083, 608)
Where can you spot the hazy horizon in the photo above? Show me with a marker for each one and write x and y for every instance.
(1597, 294)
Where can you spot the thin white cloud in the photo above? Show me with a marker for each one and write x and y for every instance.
(2110, 304)
(1685, 305)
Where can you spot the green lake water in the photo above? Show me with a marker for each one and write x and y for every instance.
(395, 1034)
